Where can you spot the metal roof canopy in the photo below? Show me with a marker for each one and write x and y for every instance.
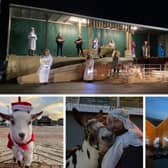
(46, 15)
(87, 108)
(21, 11)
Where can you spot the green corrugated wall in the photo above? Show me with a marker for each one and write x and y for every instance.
(139, 40)
(21, 28)
(69, 33)
(19, 33)
(105, 36)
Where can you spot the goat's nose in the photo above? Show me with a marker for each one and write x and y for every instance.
(22, 135)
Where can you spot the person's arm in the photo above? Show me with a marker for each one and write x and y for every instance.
(113, 155)
(136, 130)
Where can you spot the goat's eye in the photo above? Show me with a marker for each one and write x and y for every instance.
(29, 122)
(13, 122)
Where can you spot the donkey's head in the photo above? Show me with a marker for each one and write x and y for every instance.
(98, 136)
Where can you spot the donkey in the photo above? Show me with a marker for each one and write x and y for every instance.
(96, 142)
(21, 137)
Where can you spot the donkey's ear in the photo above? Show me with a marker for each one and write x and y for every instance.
(82, 118)
(35, 116)
(6, 116)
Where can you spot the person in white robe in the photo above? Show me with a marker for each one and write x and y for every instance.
(127, 134)
(46, 61)
(146, 50)
(32, 38)
(89, 69)
(112, 44)
(95, 44)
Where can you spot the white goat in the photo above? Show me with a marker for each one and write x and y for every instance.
(97, 141)
(21, 137)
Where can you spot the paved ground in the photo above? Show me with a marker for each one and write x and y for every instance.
(105, 87)
(48, 150)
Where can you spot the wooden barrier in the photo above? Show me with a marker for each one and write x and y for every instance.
(157, 131)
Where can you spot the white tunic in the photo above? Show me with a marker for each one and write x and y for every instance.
(45, 66)
(32, 37)
(95, 44)
(113, 155)
(89, 70)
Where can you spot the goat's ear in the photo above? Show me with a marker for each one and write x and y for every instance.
(6, 116)
(35, 116)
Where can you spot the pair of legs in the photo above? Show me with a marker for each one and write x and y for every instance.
(116, 69)
(31, 52)
(80, 51)
(59, 49)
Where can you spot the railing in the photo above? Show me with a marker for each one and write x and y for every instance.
(155, 70)
(98, 108)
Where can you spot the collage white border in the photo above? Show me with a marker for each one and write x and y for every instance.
(93, 95)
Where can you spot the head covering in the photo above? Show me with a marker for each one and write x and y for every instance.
(21, 106)
(123, 116)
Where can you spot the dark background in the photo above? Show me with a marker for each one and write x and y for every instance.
(149, 12)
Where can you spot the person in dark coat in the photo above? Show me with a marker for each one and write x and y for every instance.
(79, 43)
(60, 42)
(115, 61)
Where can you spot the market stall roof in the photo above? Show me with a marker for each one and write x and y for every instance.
(34, 13)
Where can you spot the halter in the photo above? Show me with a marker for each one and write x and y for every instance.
(95, 136)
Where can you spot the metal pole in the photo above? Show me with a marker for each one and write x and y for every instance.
(46, 32)
(9, 31)
(118, 102)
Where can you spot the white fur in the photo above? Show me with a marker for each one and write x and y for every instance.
(21, 122)
(82, 157)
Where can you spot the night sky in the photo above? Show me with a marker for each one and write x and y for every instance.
(143, 12)
(146, 12)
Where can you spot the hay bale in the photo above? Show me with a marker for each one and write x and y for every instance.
(25, 65)
(102, 71)
(21, 65)
(67, 73)
(62, 74)
(104, 51)
(28, 79)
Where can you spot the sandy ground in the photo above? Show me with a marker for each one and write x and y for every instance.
(48, 150)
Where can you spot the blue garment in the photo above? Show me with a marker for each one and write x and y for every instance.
(161, 51)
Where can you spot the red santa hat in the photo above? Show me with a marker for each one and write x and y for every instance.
(21, 106)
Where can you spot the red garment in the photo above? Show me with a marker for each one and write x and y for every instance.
(23, 146)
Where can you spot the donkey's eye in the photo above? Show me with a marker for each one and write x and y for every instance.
(13, 122)
(29, 122)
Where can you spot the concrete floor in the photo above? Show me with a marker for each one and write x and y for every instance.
(103, 87)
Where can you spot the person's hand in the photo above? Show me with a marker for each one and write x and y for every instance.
(137, 131)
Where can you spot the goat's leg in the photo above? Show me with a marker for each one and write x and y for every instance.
(27, 166)
(28, 156)
(14, 161)
(19, 163)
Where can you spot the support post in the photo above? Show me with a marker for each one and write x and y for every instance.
(9, 32)
(46, 33)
